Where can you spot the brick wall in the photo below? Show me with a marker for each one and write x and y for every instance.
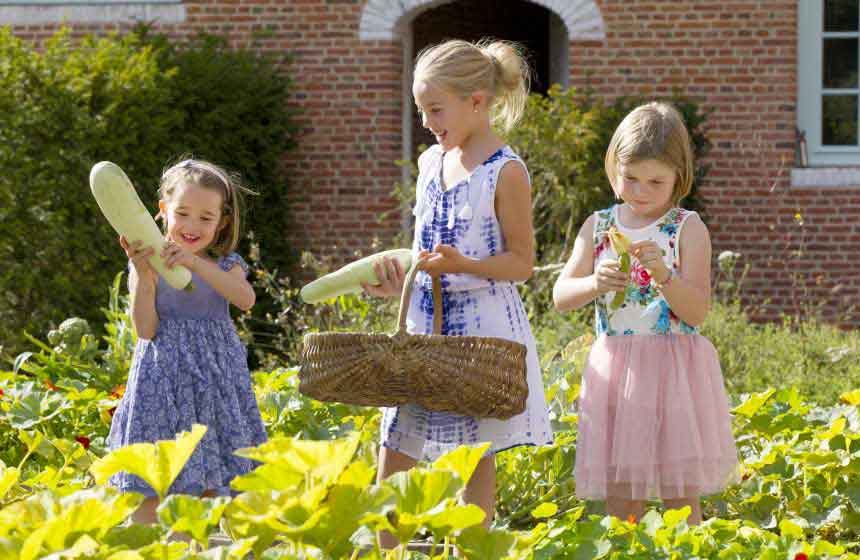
(738, 58)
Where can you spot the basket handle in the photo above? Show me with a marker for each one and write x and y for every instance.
(406, 297)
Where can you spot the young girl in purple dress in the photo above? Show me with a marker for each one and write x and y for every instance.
(189, 364)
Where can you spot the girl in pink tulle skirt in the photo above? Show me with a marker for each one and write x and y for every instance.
(654, 418)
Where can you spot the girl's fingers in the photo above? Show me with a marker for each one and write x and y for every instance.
(387, 274)
(398, 275)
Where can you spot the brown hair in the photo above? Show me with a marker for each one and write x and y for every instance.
(210, 176)
(653, 131)
(495, 67)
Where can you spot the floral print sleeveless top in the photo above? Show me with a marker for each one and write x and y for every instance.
(644, 310)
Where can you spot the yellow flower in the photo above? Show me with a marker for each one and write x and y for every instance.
(620, 242)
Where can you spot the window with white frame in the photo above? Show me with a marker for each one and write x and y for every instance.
(828, 81)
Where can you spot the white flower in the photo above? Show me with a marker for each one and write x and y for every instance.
(728, 256)
(727, 259)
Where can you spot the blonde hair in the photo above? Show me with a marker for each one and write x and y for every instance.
(495, 67)
(209, 176)
(653, 131)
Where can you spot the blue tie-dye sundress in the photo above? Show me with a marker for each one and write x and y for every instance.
(464, 216)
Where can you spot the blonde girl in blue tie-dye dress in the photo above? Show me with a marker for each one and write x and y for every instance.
(473, 220)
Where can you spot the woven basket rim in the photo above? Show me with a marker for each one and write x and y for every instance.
(449, 338)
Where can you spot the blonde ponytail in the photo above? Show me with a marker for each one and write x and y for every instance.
(512, 81)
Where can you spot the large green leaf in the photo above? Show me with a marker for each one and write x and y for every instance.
(546, 509)
(315, 460)
(419, 494)
(753, 403)
(248, 516)
(851, 397)
(454, 518)
(8, 479)
(158, 464)
(133, 536)
(420, 490)
(197, 517)
(60, 523)
(463, 460)
(349, 503)
(479, 544)
(674, 517)
(239, 549)
(31, 406)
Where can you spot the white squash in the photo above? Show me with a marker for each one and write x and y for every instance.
(122, 207)
(349, 278)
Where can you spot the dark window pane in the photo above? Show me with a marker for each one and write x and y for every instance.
(839, 120)
(840, 63)
(840, 15)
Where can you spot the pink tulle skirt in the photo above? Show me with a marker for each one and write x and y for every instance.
(654, 420)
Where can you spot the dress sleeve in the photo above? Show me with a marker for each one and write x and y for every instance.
(231, 260)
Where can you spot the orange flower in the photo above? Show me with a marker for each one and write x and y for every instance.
(631, 518)
(118, 392)
(50, 386)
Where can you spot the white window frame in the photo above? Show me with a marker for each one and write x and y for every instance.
(810, 18)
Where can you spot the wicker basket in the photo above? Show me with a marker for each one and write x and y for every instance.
(473, 375)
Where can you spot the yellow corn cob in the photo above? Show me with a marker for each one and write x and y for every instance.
(620, 242)
(621, 245)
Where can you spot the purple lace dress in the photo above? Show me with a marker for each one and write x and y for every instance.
(193, 371)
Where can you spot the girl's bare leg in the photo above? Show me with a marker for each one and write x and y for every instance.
(145, 514)
(624, 509)
(391, 462)
(481, 489)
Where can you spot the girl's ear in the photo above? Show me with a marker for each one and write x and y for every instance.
(225, 221)
(478, 99)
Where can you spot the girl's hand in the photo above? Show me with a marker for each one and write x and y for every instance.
(139, 258)
(608, 278)
(391, 277)
(650, 256)
(174, 255)
(444, 259)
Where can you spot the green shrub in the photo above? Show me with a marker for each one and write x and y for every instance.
(140, 102)
(819, 359)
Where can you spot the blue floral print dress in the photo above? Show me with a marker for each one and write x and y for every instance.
(194, 370)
